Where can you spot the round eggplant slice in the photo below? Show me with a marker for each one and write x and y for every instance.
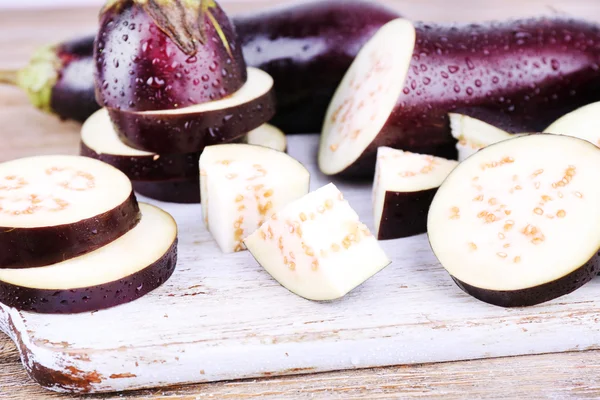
(405, 80)
(316, 246)
(582, 123)
(53, 208)
(190, 129)
(243, 185)
(100, 141)
(182, 191)
(120, 272)
(268, 136)
(405, 184)
(518, 223)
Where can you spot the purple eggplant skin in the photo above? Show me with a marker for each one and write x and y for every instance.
(533, 70)
(182, 191)
(35, 247)
(307, 49)
(151, 167)
(73, 93)
(165, 55)
(103, 296)
(537, 294)
(405, 214)
(189, 133)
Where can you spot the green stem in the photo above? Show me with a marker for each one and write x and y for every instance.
(9, 77)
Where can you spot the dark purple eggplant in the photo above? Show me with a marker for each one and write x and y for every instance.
(60, 79)
(307, 49)
(409, 76)
(182, 191)
(164, 55)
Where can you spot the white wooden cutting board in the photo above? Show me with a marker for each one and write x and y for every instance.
(222, 317)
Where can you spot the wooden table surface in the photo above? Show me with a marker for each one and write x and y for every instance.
(25, 131)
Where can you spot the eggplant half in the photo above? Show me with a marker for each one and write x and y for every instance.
(316, 246)
(518, 223)
(159, 55)
(409, 76)
(404, 186)
(120, 272)
(53, 208)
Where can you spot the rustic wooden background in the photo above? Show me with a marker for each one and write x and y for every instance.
(25, 131)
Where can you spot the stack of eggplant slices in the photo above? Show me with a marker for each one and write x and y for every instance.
(515, 221)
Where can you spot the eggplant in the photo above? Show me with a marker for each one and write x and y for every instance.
(165, 55)
(316, 246)
(122, 271)
(517, 223)
(409, 76)
(307, 49)
(242, 186)
(53, 208)
(582, 123)
(60, 79)
(475, 133)
(404, 187)
(190, 129)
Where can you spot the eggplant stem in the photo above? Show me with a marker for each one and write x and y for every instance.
(9, 77)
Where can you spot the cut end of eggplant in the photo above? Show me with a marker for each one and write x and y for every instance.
(47, 191)
(258, 84)
(518, 223)
(316, 247)
(268, 136)
(404, 186)
(120, 272)
(366, 96)
(242, 185)
(583, 123)
(473, 134)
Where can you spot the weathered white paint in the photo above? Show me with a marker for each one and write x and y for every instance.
(223, 317)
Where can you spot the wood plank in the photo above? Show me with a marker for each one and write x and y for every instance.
(557, 376)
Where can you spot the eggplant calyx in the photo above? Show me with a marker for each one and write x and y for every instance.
(184, 21)
(39, 77)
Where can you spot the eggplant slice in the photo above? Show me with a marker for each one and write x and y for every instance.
(405, 184)
(190, 129)
(518, 223)
(316, 246)
(583, 123)
(242, 186)
(120, 272)
(53, 208)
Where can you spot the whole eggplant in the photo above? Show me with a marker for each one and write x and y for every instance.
(307, 49)
(60, 79)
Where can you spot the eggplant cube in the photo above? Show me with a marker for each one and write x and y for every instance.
(242, 185)
(405, 184)
(316, 247)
